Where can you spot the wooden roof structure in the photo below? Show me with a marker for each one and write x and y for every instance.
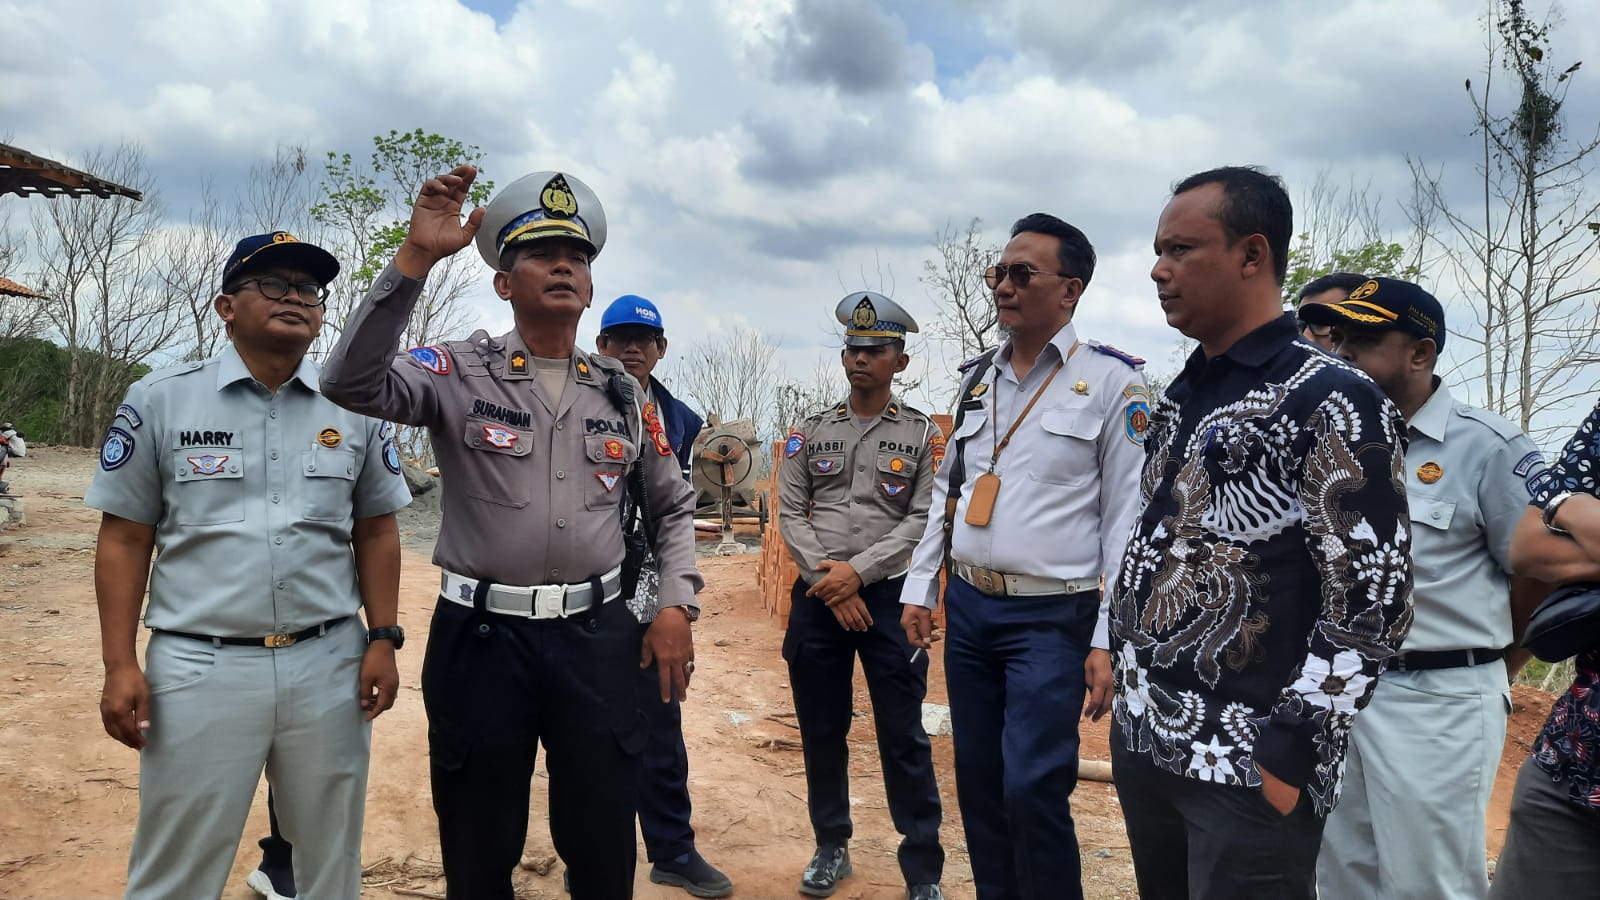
(12, 289)
(26, 175)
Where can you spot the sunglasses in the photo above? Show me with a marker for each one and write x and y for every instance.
(1019, 273)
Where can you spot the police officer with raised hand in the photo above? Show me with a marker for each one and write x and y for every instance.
(273, 513)
(537, 445)
(854, 491)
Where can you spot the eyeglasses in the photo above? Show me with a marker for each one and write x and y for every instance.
(1019, 273)
(633, 338)
(274, 288)
(1320, 331)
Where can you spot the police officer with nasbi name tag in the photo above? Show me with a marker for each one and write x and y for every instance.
(853, 494)
(537, 444)
(273, 513)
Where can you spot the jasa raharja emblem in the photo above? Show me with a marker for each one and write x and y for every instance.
(865, 315)
(1365, 291)
(557, 199)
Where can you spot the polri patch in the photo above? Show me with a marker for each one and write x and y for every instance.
(892, 490)
(793, 444)
(824, 466)
(131, 416)
(434, 359)
(614, 449)
(499, 437)
(1528, 463)
(117, 449)
(330, 437)
(609, 479)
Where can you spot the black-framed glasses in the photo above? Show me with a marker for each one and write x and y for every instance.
(1019, 273)
(638, 338)
(1314, 329)
(274, 288)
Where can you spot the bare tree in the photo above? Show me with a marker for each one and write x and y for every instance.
(1526, 258)
(731, 376)
(793, 401)
(189, 265)
(97, 259)
(967, 319)
(20, 316)
(1342, 231)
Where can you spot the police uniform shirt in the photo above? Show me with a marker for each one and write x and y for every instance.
(856, 494)
(253, 495)
(1069, 477)
(1467, 475)
(532, 487)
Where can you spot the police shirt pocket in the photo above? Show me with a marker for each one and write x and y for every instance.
(608, 458)
(1432, 512)
(895, 472)
(826, 465)
(1074, 459)
(329, 483)
(490, 472)
(210, 485)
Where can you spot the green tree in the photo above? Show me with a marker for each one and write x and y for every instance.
(1376, 257)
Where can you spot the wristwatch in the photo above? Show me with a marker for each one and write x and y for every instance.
(1550, 513)
(388, 633)
(692, 613)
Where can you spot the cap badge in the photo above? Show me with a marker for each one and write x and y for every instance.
(284, 237)
(864, 316)
(1429, 472)
(556, 198)
(1365, 291)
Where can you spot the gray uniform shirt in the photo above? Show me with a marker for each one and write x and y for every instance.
(860, 496)
(532, 488)
(253, 495)
(1467, 477)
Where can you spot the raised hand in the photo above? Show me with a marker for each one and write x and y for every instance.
(436, 229)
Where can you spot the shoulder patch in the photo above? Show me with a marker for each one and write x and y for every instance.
(116, 450)
(391, 457)
(1136, 421)
(1529, 463)
(130, 415)
(976, 360)
(1114, 353)
(434, 359)
(1497, 423)
(797, 440)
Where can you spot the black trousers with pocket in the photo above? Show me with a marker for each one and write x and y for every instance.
(495, 688)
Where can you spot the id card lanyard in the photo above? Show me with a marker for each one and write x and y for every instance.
(987, 488)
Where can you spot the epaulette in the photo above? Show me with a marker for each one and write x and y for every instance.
(160, 375)
(906, 410)
(1114, 353)
(966, 366)
(1497, 423)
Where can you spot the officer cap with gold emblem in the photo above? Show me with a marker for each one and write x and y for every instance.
(541, 206)
(870, 319)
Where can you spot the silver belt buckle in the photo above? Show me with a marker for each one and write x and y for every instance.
(990, 582)
(549, 601)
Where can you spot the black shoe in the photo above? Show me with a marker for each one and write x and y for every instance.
(828, 867)
(924, 892)
(692, 873)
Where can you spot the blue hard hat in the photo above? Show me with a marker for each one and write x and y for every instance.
(631, 309)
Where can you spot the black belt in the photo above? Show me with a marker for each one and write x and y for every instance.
(275, 641)
(1422, 660)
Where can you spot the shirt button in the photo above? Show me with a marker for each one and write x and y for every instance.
(311, 468)
(561, 523)
(856, 530)
(280, 585)
(388, 285)
(560, 425)
(274, 498)
(861, 468)
(555, 573)
(560, 475)
(279, 538)
(1437, 515)
(349, 470)
(273, 454)
(273, 414)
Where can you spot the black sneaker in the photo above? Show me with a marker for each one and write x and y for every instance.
(828, 867)
(924, 892)
(692, 873)
(274, 878)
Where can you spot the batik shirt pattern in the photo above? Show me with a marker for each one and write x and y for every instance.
(1569, 746)
(1268, 578)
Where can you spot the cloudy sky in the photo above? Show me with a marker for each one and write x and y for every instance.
(759, 158)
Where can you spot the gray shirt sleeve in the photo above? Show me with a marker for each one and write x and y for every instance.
(380, 488)
(794, 513)
(367, 374)
(128, 482)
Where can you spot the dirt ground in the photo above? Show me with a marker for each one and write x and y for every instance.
(68, 792)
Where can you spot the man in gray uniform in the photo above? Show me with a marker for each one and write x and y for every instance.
(538, 443)
(1423, 755)
(273, 514)
(854, 491)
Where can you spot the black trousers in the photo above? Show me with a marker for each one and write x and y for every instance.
(495, 687)
(821, 655)
(1198, 840)
(664, 805)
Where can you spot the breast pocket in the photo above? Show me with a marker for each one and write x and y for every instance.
(210, 485)
(329, 484)
(1072, 459)
(494, 468)
(896, 472)
(1432, 512)
(608, 458)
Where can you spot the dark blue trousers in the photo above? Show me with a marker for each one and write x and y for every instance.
(821, 655)
(1014, 670)
(664, 806)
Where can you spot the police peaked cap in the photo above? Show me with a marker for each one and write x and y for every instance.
(541, 206)
(871, 319)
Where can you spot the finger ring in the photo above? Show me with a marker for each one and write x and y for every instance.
(689, 666)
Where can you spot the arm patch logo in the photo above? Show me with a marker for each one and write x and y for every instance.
(1137, 422)
(793, 444)
(434, 359)
(117, 450)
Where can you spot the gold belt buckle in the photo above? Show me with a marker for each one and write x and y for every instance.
(278, 641)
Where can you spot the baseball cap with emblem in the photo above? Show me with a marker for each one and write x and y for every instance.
(541, 206)
(279, 248)
(870, 319)
(1383, 304)
(631, 309)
